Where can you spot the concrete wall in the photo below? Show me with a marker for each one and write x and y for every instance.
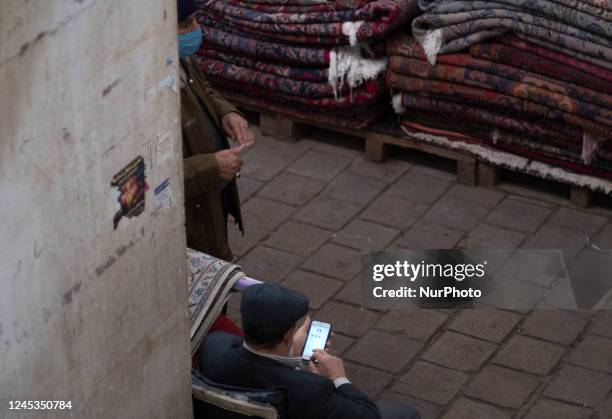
(88, 313)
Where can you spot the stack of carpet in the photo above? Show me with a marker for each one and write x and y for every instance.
(530, 77)
(321, 61)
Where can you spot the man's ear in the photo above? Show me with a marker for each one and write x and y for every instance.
(288, 336)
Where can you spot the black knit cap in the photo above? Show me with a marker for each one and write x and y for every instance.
(185, 8)
(272, 305)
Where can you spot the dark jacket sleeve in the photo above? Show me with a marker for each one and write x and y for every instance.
(201, 171)
(343, 402)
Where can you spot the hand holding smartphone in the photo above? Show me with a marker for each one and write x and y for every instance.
(318, 334)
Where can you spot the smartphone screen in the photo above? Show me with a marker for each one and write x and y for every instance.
(317, 338)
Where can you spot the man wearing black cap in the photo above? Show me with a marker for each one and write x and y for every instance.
(210, 165)
(269, 357)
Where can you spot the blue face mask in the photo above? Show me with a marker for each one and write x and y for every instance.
(190, 42)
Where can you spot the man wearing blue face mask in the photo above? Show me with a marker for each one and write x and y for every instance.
(210, 164)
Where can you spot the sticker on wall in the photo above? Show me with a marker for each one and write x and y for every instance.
(163, 195)
(169, 82)
(164, 148)
(129, 187)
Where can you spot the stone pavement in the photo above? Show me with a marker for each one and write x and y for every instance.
(312, 206)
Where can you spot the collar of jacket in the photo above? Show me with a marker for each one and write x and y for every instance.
(291, 362)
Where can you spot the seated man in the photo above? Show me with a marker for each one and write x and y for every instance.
(269, 356)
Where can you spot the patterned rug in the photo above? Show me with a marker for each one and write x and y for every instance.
(556, 65)
(451, 26)
(357, 121)
(355, 101)
(210, 281)
(504, 104)
(366, 22)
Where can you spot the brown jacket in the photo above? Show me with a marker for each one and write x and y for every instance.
(205, 222)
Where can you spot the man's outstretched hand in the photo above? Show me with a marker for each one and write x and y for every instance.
(237, 128)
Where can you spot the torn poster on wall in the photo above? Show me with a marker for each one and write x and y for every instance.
(129, 187)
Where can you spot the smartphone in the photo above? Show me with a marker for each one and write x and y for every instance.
(318, 334)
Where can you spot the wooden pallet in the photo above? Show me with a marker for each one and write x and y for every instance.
(471, 170)
(489, 176)
(376, 144)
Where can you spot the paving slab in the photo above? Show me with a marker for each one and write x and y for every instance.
(429, 236)
(605, 409)
(431, 382)
(335, 261)
(470, 409)
(347, 319)
(517, 214)
(393, 211)
(553, 409)
(248, 187)
(266, 146)
(242, 244)
(262, 167)
(291, 189)
(459, 352)
(491, 325)
(593, 352)
(502, 386)
(319, 165)
(418, 324)
(531, 355)
(456, 214)
(375, 348)
(268, 157)
(365, 235)
(340, 343)
(558, 326)
(603, 239)
(418, 188)
(298, 238)
(317, 288)
(369, 380)
(351, 293)
(488, 237)
(603, 325)
(553, 236)
(327, 213)
(265, 214)
(272, 264)
(354, 188)
(580, 220)
(579, 386)
(426, 409)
